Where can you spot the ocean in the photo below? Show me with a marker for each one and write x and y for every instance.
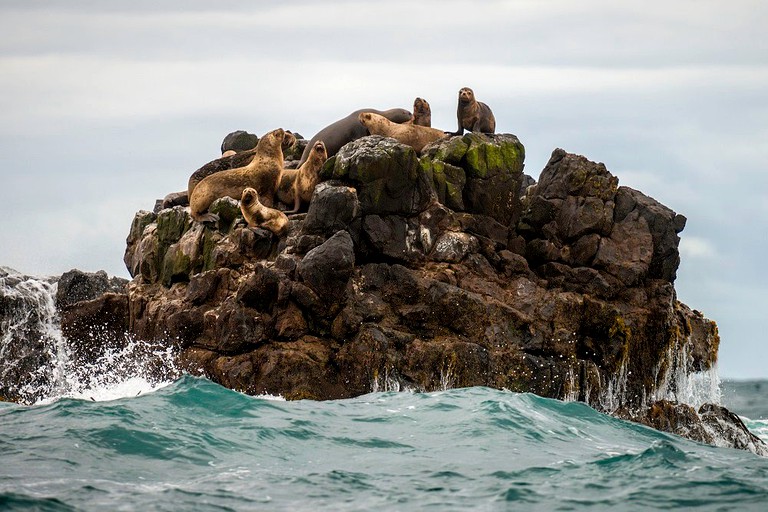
(103, 437)
(194, 445)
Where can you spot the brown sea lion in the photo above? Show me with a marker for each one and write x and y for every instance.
(262, 173)
(348, 129)
(473, 115)
(259, 216)
(297, 185)
(231, 161)
(413, 135)
(422, 114)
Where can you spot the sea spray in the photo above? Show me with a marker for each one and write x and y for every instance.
(679, 382)
(38, 364)
(32, 351)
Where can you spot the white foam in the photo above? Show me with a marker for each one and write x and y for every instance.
(130, 387)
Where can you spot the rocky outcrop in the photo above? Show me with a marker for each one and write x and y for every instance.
(427, 271)
(75, 286)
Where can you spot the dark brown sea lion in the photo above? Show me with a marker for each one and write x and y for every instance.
(262, 173)
(473, 115)
(411, 134)
(348, 129)
(258, 215)
(297, 185)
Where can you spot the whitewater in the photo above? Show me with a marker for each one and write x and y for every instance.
(111, 436)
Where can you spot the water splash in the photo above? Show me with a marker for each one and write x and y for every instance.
(386, 382)
(614, 391)
(31, 346)
(135, 368)
(678, 382)
(38, 364)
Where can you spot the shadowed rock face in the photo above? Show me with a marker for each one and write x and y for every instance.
(429, 271)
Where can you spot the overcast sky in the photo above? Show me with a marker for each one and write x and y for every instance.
(106, 106)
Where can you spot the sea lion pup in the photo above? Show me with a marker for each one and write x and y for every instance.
(411, 134)
(473, 115)
(296, 185)
(348, 129)
(259, 216)
(262, 173)
(422, 114)
(231, 161)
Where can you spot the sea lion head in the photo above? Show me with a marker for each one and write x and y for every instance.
(466, 95)
(275, 137)
(320, 151)
(289, 139)
(249, 197)
(397, 115)
(365, 117)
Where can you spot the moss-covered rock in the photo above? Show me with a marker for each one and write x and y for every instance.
(478, 173)
(385, 173)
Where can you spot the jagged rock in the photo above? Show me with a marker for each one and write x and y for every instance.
(385, 173)
(448, 268)
(27, 312)
(332, 208)
(712, 424)
(729, 431)
(478, 173)
(680, 419)
(238, 141)
(96, 323)
(326, 268)
(292, 155)
(173, 199)
(76, 285)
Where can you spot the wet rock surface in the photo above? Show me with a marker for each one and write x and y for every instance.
(426, 271)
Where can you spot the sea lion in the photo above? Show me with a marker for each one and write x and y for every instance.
(422, 114)
(297, 185)
(231, 161)
(259, 216)
(262, 173)
(411, 134)
(348, 129)
(473, 115)
(175, 199)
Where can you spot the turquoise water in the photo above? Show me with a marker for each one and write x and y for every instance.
(194, 445)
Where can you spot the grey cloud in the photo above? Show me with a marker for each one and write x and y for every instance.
(106, 106)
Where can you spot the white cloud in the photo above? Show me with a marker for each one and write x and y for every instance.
(696, 247)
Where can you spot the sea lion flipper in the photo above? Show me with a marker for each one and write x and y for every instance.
(296, 202)
(209, 217)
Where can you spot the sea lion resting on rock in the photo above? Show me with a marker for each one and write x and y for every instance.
(232, 161)
(296, 185)
(473, 115)
(262, 173)
(422, 114)
(413, 135)
(348, 129)
(259, 216)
